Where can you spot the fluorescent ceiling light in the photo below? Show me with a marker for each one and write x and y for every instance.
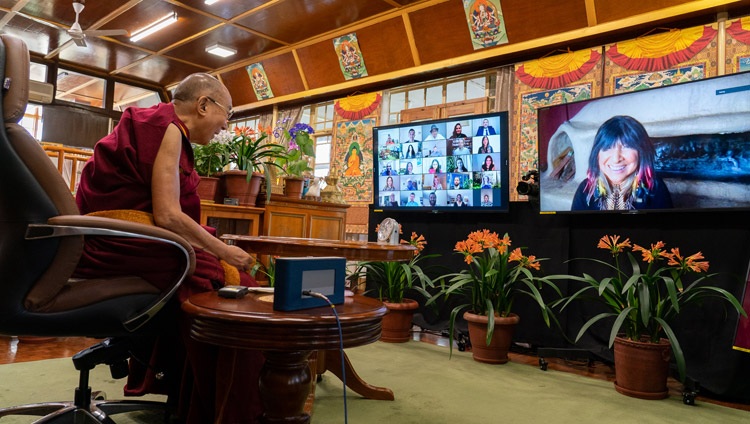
(153, 27)
(210, 2)
(220, 50)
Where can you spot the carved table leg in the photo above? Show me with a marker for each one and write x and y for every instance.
(285, 382)
(354, 381)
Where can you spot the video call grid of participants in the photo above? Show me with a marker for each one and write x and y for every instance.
(420, 166)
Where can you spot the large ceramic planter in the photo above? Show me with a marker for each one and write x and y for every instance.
(207, 188)
(641, 368)
(396, 324)
(239, 188)
(497, 351)
(293, 187)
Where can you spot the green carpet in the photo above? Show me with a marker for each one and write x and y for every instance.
(429, 388)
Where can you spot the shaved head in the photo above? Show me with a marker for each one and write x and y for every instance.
(199, 84)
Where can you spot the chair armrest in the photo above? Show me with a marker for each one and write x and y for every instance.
(82, 225)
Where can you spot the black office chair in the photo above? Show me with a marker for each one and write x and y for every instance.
(41, 241)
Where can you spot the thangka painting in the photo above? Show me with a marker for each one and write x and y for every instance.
(259, 81)
(661, 59)
(486, 23)
(738, 44)
(352, 155)
(350, 57)
(544, 82)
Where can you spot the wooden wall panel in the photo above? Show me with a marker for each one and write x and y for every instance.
(526, 20)
(612, 10)
(385, 47)
(320, 64)
(283, 75)
(238, 83)
(441, 32)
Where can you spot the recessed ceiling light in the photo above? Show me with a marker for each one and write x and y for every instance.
(220, 50)
(210, 2)
(154, 26)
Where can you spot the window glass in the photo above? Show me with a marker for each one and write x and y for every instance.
(32, 120)
(38, 72)
(128, 95)
(416, 98)
(398, 101)
(80, 88)
(434, 95)
(475, 88)
(454, 92)
(322, 155)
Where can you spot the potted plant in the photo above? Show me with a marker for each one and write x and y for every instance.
(392, 281)
(295, 162)
(253, 154)
(210, 160)
(268, 271)
(642, 302)
(495, 275)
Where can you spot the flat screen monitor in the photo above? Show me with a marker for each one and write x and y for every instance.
(458, 164)
(677, 147)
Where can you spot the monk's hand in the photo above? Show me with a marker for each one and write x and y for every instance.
(237, 257)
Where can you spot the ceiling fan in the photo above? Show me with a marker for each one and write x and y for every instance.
(78, 35)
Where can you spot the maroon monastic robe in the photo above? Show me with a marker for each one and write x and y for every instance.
(118, 176)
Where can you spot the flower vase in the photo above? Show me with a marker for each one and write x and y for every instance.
(497, 351)
(207, 188)
(238, 187)
(396, 324)
(641, 368)
(293, 187)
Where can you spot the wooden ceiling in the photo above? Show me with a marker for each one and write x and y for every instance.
(400, 39)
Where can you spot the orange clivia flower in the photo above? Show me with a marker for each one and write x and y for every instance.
(655, 253)
(532, 263)
(691, 262)
(417, 241)
(515, 255)
(244, 131)
(613, 244)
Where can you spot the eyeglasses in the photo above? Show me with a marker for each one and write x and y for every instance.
(226, 110)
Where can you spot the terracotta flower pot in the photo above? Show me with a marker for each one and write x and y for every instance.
(207, 188)
(293, 187)
(497, 351)
(239, 188)
(396, 324)
(641, 368)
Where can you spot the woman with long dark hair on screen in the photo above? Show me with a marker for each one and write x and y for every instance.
(489, 164)
(410, 152)
(435, 167)
(621, 172)
(409, 169)
(460, 167)
(485, 147)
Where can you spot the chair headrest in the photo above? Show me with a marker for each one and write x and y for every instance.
(16, 83)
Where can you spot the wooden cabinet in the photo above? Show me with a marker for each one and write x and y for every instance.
(244, 220)
(281, 217)
(285, 217)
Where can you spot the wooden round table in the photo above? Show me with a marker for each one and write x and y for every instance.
(285, 338)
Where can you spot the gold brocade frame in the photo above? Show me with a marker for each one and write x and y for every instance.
(737, 52)
(618, 79)
(524, 141)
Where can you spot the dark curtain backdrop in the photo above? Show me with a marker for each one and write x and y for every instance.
(73, 126)
(706, 332)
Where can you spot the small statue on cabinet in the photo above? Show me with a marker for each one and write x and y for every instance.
(313, 190)
(332, 192)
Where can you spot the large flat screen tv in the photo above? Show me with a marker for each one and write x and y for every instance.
(677, 147)
(457, 164)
